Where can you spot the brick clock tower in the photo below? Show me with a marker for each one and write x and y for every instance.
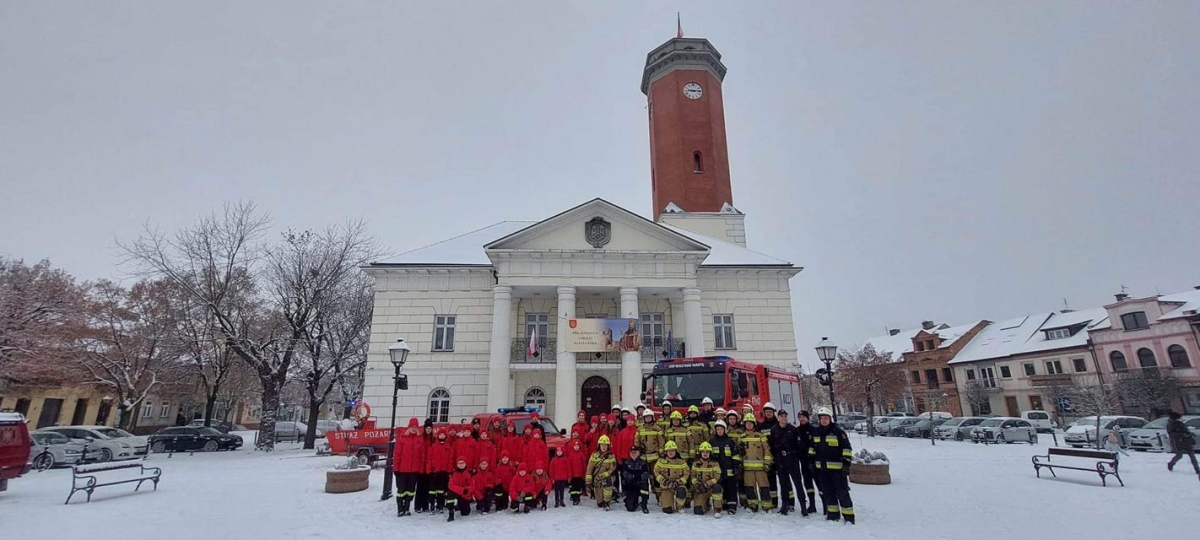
(689, 160)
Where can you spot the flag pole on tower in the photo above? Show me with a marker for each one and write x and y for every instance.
(678, 26)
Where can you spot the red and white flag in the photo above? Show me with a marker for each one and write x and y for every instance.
(533, 342)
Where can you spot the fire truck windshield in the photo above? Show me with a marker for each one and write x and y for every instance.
(685, 389)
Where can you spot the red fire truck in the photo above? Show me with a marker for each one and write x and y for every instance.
(728, 382)
(14, 447)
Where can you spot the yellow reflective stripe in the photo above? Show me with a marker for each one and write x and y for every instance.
(847, 511)
(832, 508)
(831, 440)
(847, 453)
(833, 465)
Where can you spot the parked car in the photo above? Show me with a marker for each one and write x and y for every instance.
(1083, 431)
(108, 443)
(848, 421)
(1040, 420)
(185, 439)
(923, 428)
(896, 429)
(1153, 435)
(290, 430)
(51, 449)
(1006, 430)
(223, 427)
(14, 447)
(936, 414)
(325, 426)
(958, 428)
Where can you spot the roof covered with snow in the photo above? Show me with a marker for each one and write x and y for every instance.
(723, 253)
(1190, 307)
(1027, 334)
(950, 335)
(897, 345)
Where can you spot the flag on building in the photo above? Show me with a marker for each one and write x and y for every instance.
(678, 26)
(533, 342)
(670, 345)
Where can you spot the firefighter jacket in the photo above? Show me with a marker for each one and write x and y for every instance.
(683, 440)
(461, 484)
(699, 433)
(664, 421)
(783, 442)
(706, 473)
(756, 453)
(726, 452)
(671, 473)
(560, 469)
(708, 418)
(736, 432)
(601, 465)
(635, 472)
(409, 456)
(504, 473)
(484, 449)
(441, 457)
(804, 441)
(483, 482)
(767, 424)
(830, 448)
(651, 437)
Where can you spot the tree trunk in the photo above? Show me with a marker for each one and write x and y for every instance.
(129, 417)
(870, 417)
(210, 403)
(270, 411)
(310, 437)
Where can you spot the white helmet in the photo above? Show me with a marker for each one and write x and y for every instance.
(769, 405)
(666, 403)
(640, 406)
(706, 401)
(648, 412)
(824, 411)
(720, 424)
(616, 406)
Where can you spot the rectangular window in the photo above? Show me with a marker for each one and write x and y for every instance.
(970, 374)
(654, 332)
(989, 377)
(1058, 333)
(948, 374)
(723, 331)
(920, 346)
(443, 332)
(931, 375)
(1135, 321)
(916, 376)
(147, 409)
(539, 322)
(1080, 365)
(930, 345)
(1005, 373)
(1029, 370)
(1054, 367)
(165, 411)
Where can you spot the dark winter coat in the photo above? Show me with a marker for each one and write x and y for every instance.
(830, 448)
(804, 441)
(1181, 439)
(725, 451)
(636, 472)
(783, 442)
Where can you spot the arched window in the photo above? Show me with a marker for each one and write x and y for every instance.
(1146, 358)
(1118, 361)
(535, 397)
(1178, 356)
(439, 405)
(697, 162)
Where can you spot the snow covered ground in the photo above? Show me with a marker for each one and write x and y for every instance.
(953, 490)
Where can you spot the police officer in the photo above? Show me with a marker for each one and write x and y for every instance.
(831, 455)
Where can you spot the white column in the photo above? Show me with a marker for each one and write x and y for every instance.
(693, 325)
(566, 388)
(498, 389)
(631, 362)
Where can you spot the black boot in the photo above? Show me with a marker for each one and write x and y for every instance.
(399, 507)
(803, 510)
(848, 517)
(812, 504)
(833, 516)
(783, 509)
(451, 518)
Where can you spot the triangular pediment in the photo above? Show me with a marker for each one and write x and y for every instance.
(597, 225)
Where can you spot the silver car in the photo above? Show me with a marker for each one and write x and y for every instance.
(958, 428)
(1153, 436)
(108, 443)
(1083, 432)
(1005, 430)
(51, 449)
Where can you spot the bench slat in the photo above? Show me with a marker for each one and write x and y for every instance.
(97, 467)
(1077, 452)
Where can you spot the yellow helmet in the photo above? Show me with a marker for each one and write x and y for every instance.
(675, 415)
(693, 409)
(604, 440)
(749, 418)
(670, 446)
(705, 447)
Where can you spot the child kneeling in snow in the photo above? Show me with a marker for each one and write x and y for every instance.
(461, 491)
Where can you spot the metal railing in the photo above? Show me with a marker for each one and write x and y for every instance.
(653, 350)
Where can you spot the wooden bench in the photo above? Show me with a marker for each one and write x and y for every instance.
(1106, 462)
(88, 474)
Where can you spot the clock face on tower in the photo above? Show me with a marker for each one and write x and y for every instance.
(692, 90)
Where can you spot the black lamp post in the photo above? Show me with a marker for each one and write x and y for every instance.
(827, 352)
(399, 354)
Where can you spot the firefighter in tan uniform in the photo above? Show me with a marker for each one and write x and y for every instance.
(650, 437)
(706, 481)
(600, 469)
(672, 473)
(755, 462)
(679, 434)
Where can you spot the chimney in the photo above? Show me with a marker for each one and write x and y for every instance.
(1121, 297)
(893, 331)
(928, 325)
(1197, 287)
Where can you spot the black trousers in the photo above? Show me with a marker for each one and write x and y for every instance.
(806, 470)
(560, 491)
(406, 488)
(461, 504)
(1190, 455)
(421, 501)
(576, 488)
(729, 489)
(484, 502)
(636, 494)
(500, 496)
(835, 492)
(437, 489)
(788, 470)
(773, 482)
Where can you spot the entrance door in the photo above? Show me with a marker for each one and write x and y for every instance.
(596, 396)
(51, 408)
(1011, 403)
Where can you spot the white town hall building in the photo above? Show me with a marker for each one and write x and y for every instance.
(493, 316)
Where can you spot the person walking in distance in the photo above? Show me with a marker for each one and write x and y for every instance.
(1182, 441)
(1112, 443)
(832, 455)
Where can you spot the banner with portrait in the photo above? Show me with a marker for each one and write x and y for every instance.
(602, 335)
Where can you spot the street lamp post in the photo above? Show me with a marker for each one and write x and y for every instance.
(399, 354)
(827, 352)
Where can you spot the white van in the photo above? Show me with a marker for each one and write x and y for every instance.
(1040, 420)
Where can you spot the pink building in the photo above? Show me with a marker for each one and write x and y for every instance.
(1157, 332)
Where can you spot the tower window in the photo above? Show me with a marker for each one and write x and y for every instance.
(697, 162)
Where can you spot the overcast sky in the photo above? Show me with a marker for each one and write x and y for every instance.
(921, 160)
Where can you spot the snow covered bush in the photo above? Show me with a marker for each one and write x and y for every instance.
(349, 464)
(866, 457)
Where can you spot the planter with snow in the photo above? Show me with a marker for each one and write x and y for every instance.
(870, 468)
(347, 478)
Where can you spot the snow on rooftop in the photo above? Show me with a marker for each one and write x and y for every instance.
(728, 254)
(1001, 339)
(951, 335)
(897, 345)
(1191, 304)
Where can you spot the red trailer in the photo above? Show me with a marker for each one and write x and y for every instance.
(14, 447)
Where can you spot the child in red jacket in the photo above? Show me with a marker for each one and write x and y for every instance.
(441, 461)
(520, 490)
(541, 484)
(535, 449)
(483, 485)
(408, 460)
(505, 471)
(464, 448)
(485, 449)
(560, 474)
(577, 459)
(461, 491)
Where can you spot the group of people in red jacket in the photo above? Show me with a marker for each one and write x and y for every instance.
(448, 470)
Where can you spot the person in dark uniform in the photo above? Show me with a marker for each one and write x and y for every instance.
(636, 481)
(768, 424)
(803, 443)
(786, 450)
(832, 455)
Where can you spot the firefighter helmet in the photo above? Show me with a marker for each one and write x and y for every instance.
(705, 447)
(666, 403)
(675, 415)
(670, 446)
(749, 418)
(720, 424)
(720, 412)
(769, 405)
(693, 409)
(604, 440)
(706, 401)
(824, 411)
(648, 412)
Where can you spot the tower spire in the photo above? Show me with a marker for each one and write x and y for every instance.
(678, 26)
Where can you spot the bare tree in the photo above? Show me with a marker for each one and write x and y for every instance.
(978, 396)
(1092, 400)
(127, 343)
(1055, 392)
(39, 305)
(865, 375)
(209, 360)
(1147, 390)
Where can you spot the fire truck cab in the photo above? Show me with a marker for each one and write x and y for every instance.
(728, 382)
